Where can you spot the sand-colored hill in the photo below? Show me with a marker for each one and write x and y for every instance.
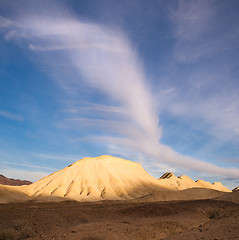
(178, 183)
(100, 178)
(112, 178)
(184, 182)
(11, 194)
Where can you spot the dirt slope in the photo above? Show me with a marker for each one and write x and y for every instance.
(11, 194)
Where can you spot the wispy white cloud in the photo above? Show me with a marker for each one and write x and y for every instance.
(57, 157)
(219, 113)
(167, 156)
(5, 22)
(197, 31)
(24, 174)
(29, 166)
(105, 59)
(26, 165)
(207, 91)
(103, 108)
(89, 107)
(31, 160)
(9, 115)
(191, 19)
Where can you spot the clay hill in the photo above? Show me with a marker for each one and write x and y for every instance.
(184, 182)
(93, 179)
(111, 178)
(13, 182)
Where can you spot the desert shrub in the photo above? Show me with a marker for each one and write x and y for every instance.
(213, 214)
(7, 234)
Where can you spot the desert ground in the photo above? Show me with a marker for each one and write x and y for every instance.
(198, 219)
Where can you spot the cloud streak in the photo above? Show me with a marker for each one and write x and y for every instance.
(197, 31)
(104, 59)
(207, 88)
(22, 174)
(9, 115)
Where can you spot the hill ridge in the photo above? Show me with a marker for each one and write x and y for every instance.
(13, 182)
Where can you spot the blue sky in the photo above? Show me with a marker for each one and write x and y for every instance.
(155, 82)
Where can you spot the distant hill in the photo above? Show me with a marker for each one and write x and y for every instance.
(184, 182)
(13, 182)
(236, 189)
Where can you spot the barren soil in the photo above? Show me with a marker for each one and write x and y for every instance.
(202, 219)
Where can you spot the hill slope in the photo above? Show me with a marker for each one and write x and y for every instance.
(11, 194)
(232, 197)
